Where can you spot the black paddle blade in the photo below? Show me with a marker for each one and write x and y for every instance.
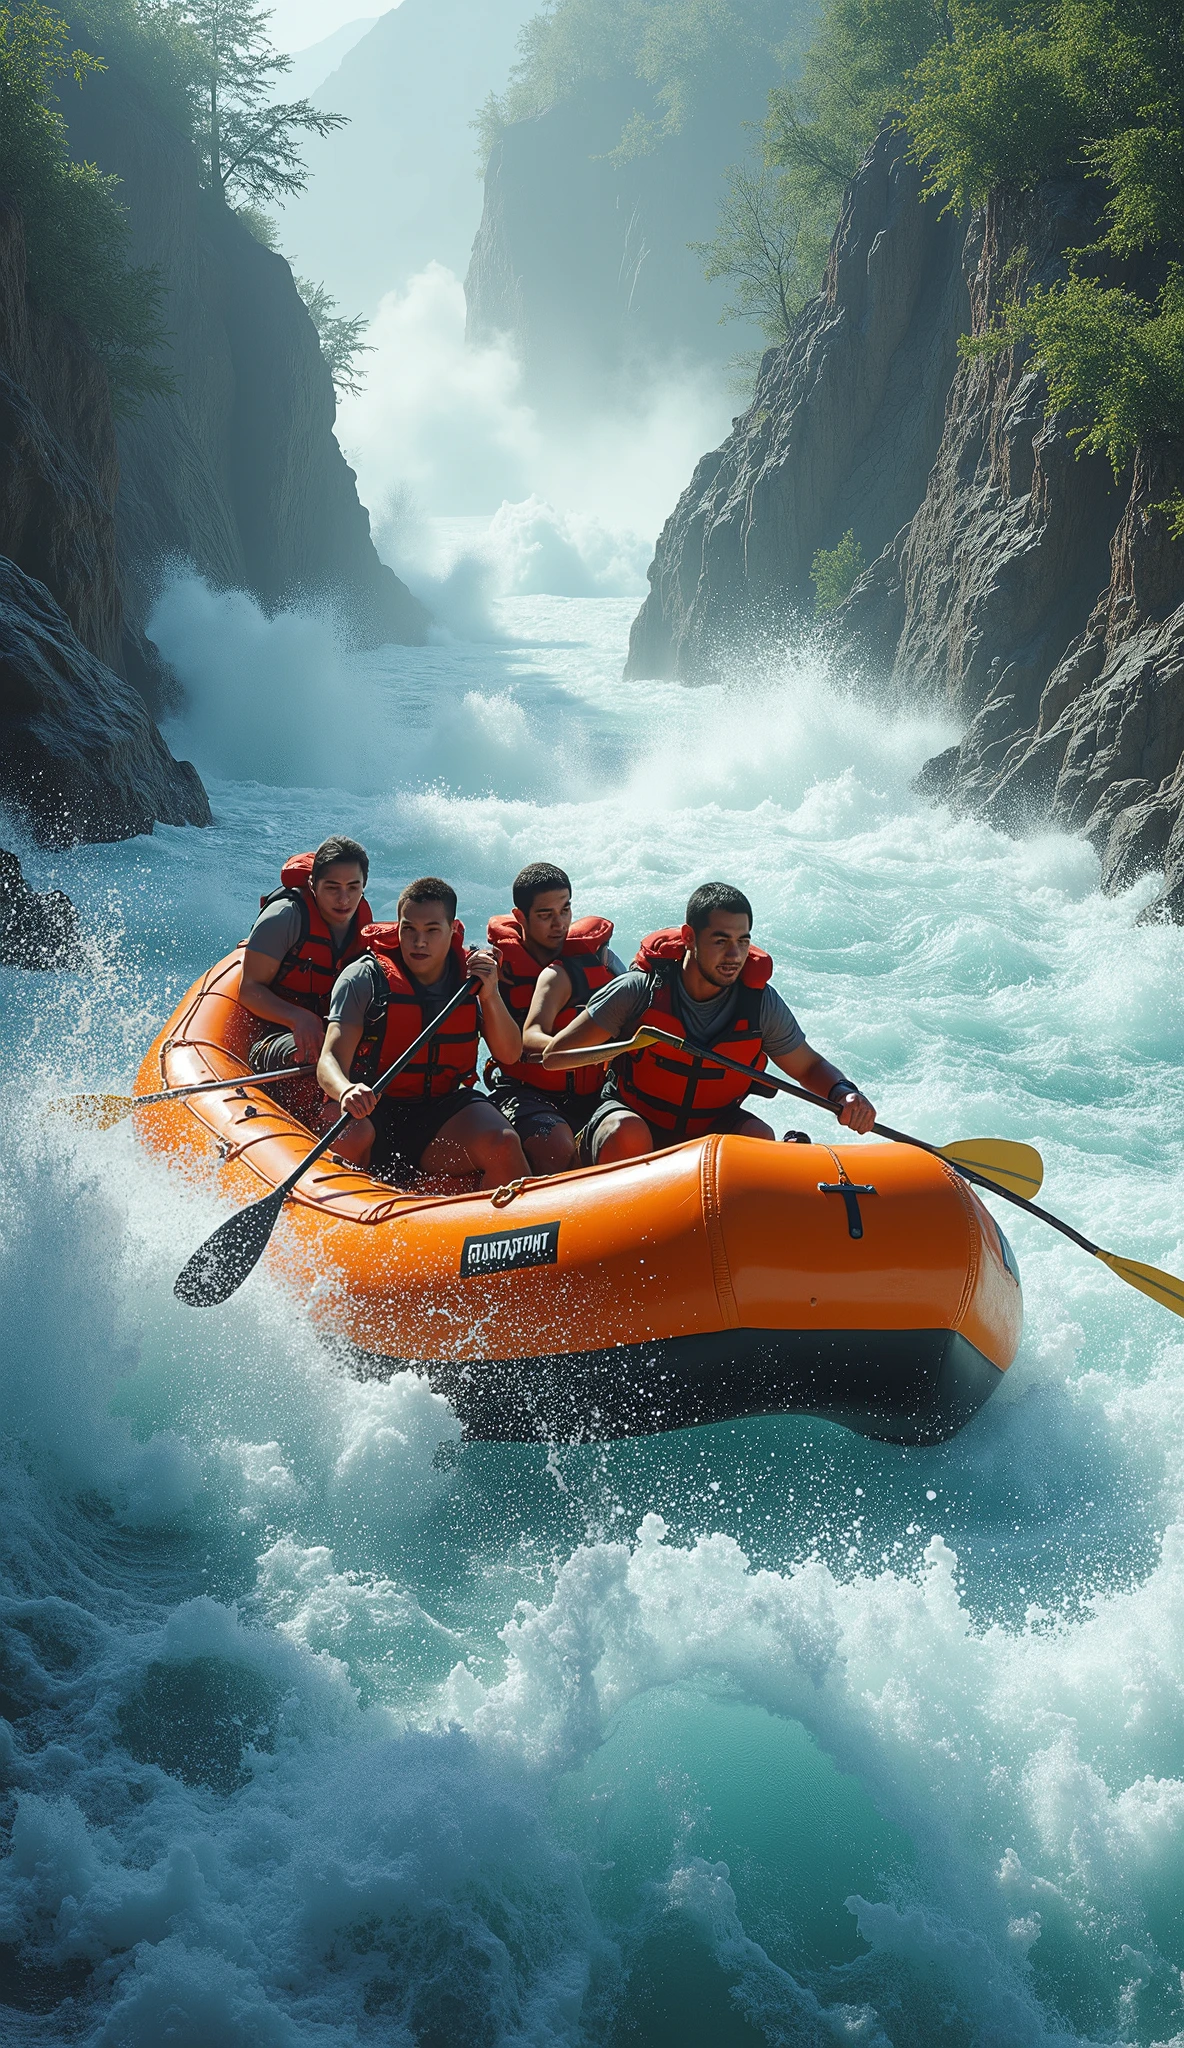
(220, 1265)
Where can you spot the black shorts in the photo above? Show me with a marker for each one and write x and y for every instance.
(533, 1112)
(729, 1122)
(301, 1098)
(277, 1049)
(404, 1130)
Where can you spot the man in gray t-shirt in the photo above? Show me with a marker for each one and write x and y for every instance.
(658, 1096)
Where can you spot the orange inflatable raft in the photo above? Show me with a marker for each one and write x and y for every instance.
(722, 1278)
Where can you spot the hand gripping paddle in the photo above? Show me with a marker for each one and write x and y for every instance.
(220, 1265)
(102, 1111)
(1012, 1170)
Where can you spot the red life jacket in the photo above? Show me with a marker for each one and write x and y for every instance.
(518, 971)
(395, 1019)
(684, 1095)
(308, 970)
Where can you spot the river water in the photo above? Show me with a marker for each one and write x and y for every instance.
(318, 1733)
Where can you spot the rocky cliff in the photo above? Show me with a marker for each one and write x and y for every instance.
(237, 472)
(583, 261)
(79, 754)
(1040, 599)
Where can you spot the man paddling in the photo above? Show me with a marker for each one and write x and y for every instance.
(306, 931)
(549, 967)
(430, 1118)
(706, 982)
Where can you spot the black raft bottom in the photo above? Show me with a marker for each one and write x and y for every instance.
(898, 1386)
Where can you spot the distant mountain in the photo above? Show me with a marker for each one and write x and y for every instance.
(400, 185)
(312, 66)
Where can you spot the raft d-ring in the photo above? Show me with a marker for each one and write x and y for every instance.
(502, 1197)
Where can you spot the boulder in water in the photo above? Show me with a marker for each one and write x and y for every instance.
(80, 758)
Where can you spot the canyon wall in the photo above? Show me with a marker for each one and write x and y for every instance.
(237, 471)
(80, 756)
(583, 260)
(1037, 596)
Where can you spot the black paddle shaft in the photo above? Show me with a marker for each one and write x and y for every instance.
(384, 1080)
(768, 1080)
(220, 1265)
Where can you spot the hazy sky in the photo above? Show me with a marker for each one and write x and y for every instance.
(297, 23)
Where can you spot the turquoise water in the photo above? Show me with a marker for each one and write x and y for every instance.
(760, 1734)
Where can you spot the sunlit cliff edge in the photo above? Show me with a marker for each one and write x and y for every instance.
(1039, 598)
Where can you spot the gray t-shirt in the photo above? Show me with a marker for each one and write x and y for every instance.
(278, 927)
(359, 984)
(620, 1005)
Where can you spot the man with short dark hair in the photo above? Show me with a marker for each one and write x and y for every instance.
(706, 983)
(430, 1119)
(306, 931)
(549, 967)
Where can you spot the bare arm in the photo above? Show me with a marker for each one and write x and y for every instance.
(808, 1067)
(583, 1030)
(501, 1033)
(256, 994)
(552, 991)
(337, 1057)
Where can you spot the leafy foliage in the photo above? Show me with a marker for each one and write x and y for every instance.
(673, 50)
(770, 248)
(249, 144)
(340, 337)
(152, 41)
(1034, 87)
(834, 573)
(856, 71)
(75, 229)
(1112, 356)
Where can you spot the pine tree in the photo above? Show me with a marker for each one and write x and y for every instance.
(340, 336)
(249, 143)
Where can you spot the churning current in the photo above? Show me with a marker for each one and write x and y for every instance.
(321, 1728)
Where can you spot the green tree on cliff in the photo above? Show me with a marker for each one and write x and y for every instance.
(250, 144)
(340, 336)
(769, 248)
(76, 232)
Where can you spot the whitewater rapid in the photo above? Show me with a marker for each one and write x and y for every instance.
(322, 1728)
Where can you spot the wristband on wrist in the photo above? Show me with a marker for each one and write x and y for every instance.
(841, 1087)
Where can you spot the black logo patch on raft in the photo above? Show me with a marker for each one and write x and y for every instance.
(504, 1251)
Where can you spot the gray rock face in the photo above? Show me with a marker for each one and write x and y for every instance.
(1025, 588)
(843, 428)
(80, 758)
(38, 928)
(237, 472)
(59, 469)
(584, 262)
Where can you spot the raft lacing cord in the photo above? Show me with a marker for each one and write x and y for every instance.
(503, 1196)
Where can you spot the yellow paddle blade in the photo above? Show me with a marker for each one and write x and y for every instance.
(1161, 1287)
(99, 1112)
(1018, 1168)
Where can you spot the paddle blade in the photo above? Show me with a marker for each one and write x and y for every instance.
(1161, 1287)
(99, 1112)
(220, 1265)
(1018, 1168)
